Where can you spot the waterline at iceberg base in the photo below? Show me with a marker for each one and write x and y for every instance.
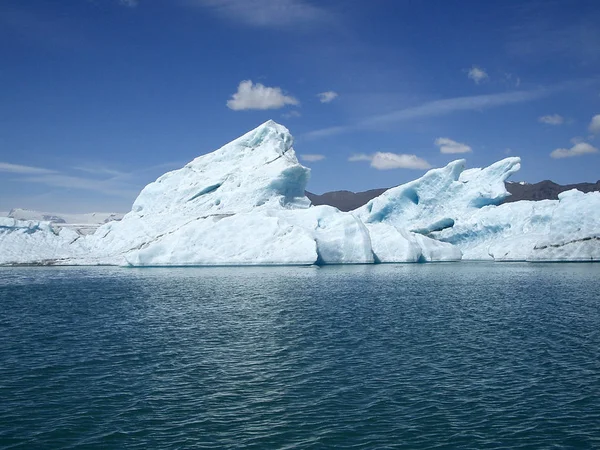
(244, 204)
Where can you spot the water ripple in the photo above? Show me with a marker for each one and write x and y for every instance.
(434, 356)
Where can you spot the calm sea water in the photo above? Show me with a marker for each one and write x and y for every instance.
(415, 356)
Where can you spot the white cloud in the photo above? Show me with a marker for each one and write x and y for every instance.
(553, 119)
(17, 168)
(285, 14)
(436, 108)
(477, 74)
(447, 145)
(312, 157)
(595, 124)
(384, 161)
(326, 97)
(387, 160)
(579, 149)
(258, 96)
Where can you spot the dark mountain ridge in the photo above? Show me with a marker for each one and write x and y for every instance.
(544, 190)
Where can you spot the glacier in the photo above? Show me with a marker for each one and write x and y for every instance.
(244, 204)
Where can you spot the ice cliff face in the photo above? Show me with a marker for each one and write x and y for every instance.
(218, 209)
(257, 170)
(244, 204)
(440, 197)
(567, 229)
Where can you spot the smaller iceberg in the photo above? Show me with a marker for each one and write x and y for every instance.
(35, 242)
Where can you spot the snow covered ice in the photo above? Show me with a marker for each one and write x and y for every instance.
(27, 241)
(244, 204)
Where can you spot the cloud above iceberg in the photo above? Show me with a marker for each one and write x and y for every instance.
(434, 109)
(594, 126)
(552, 119)
(259, 96)
(447, 145)
(326, 97)
(312, 157)
(579, 149)
(388, 160)
(477, 74)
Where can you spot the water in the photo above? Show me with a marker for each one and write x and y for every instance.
(415, 356)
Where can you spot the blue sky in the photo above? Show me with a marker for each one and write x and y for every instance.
(100, 97)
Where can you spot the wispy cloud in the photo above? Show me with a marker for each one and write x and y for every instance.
(436, 108)
(104, 180)
(283, 14)
(512, 80)
(259, 96)
(451, 105)
(129, 3)
(477, 74)
(326, 97)
(387, 161)
(93, 186)
(552, 119)
(329, 131)
(100, 170)
(291, 114)
(579, 149)
(594, 126)
(576, 140)
(19, 169)
(447, 145)
(360, 157)
(107, 187)
(312, 157)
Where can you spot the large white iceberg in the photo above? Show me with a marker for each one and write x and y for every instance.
(244, 204)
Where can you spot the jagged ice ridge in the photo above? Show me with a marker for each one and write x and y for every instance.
(244, 204)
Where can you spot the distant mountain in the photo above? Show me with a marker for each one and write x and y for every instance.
(544, 190)
(344, 200)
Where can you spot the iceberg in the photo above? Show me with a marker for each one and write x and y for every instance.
(35, 242)
(244, 204)
(567, 229)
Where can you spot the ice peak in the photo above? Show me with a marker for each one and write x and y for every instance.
(441, 196)
(255, 169)
(269, 134)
